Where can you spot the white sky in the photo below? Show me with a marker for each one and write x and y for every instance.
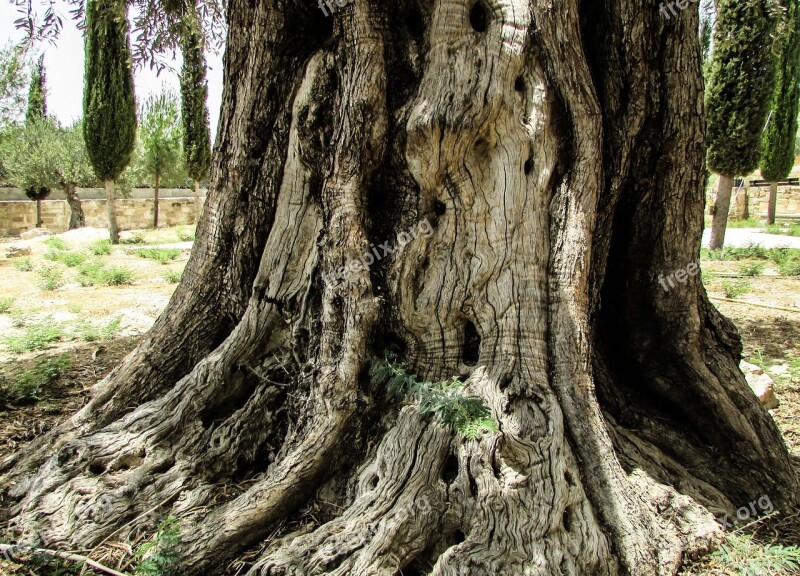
(64, 68)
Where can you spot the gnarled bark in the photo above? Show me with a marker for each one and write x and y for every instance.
(489, 190)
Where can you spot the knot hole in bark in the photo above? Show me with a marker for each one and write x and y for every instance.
(479, 17)
(471, 352)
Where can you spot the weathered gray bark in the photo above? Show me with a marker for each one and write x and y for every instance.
(722, 205)
(772, 202)
(543, 200)
(77, 219)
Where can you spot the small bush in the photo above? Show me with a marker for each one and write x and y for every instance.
(5, 304)
(93, 333)
(67, 258)
(735, 288)
(791, 229)
(752, 268)
(132, 239)
(50, 278)
(56, 243)
(740, 554)
(173, 276)
(100, 247)
(162, 255)
(23, 265)
(35, 337)
(24, 386)
(749, 223)
(118, 276)
(185, 234)
(90, 273)
(790, 267)
(159, 557)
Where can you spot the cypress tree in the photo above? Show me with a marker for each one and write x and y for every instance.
(778, 142)
(738, 97)
(109, 105)
(37, 112)
(194, 110)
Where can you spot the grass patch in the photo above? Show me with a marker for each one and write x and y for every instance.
(100, 247)
(185, 234)
(56, 243)
(35, 337)
(23, 265)
(89, 332)
(735, 288)
(173, 276)
(788, 229)
(790, 266)
(68, 258)
(93, 273)
(50, 278)
(753, 252)
(132, 239)
(5, 304)
(749, 223)
(752, 268)
(739, 554)
(162, 255)
(24, 386)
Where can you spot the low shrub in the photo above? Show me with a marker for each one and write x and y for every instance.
(24, 386)
(735, 288)
(5, 304)
(100, 247)
(23, 265)
(35, 337)
(50, 278)
(162, 255)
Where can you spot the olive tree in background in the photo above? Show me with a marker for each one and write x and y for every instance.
(36, 114)
(194, 106)
(777, 159)
(160, 133)
(738, 97)
(13, 79)
(419, 211)
(109, 104)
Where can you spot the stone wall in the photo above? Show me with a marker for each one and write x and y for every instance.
(132, 214)
(788, 202)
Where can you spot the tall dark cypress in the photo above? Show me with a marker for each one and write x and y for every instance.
(109, 104)
(777, 159)
(738, 96)
(194, 108)
(37, 112)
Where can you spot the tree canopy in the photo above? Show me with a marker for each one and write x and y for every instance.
(161, 135)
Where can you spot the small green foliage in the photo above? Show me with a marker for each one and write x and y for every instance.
(790, 266)
(758, 358)
(789, 229)
(133, 239)
(749, 223)
(118, 276)
(100, 247)
(162, 255)
(90, 273)
(159, 557)
(5, 304)
(89, 332)
(35, 337)
(68, 258)
(469, 415)
(752, 252)
(741, 555)
(752, 269)
(56, 243)
(173, 276)
(23, 265)
(50, 278)
(24, 386)
(185, 234)
(734, 288)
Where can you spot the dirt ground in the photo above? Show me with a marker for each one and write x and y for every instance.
(771, 339)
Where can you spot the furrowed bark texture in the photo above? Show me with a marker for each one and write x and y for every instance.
(489, 191)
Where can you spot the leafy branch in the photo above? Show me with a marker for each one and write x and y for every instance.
(468, 415)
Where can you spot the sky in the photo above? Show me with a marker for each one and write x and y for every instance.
(64, 68)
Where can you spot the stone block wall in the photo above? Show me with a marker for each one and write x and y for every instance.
(132, 214)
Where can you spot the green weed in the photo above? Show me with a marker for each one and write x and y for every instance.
(100, 247)
(173, 276)
(734, 288)
(68, 258)
(93, 332)
(56, 243)
(740, 555)
(24, 386)
(162, 255)
(23, 265)
(50, 278)
(185, 234)
(5, 304)
(469, 415)
(159, 557)
(133, 239)
(752, 268)
(35, 337)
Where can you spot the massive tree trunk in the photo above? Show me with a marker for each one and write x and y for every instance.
(489, 191)
(77, 219)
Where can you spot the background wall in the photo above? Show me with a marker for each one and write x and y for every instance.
(175, 208)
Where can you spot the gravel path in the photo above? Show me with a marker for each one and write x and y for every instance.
(740, 237)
